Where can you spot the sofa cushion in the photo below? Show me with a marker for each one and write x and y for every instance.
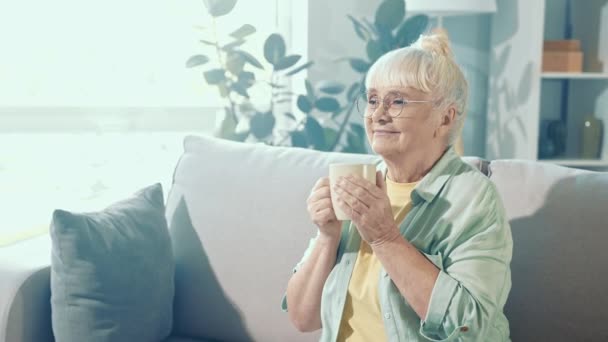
(560, 259)
(112, 272)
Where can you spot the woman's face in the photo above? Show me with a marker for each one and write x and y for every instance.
(414, 129)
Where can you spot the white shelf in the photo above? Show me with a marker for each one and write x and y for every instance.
(575, 75)
(577, 162)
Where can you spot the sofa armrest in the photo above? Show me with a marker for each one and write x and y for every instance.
(25, 308)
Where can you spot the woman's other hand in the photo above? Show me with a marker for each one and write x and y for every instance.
(321, 211)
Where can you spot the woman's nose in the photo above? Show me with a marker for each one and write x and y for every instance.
(380, 114)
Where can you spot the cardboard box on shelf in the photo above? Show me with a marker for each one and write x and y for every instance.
(562, 56)
(562, 61)
(562, 45)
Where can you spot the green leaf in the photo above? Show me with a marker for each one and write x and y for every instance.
(215, 76)
(286, 62)
(250, 59)
(246, 107)
(370, 27)
(304, 104)
(353, 92)
(227, 126)
(359, 65)
(196, 60)
(235, 63)
(243, 31)
(232, 45)
(223, 90)
(241, 136)
(354, 144)
(218, 8)
(277, 86)
(274, 48)
(262, 124)
(327, 104)
(374, 50)
(389, 14)
(411, 29)
(330, 137)
(207, 42)
(314, 133)
(246, 78)
(300, 68)
(359, 130)
(290, 115)
(239, 89)
(355, 139)
(330, 87)
(360, 29)
(309, 91)
(298, 139)
(337, 113)
(386, 39)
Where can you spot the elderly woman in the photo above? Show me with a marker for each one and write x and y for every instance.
(427, 251)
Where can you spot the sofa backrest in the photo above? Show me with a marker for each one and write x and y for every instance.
(559, 221)
(238, 219)
(237, 216)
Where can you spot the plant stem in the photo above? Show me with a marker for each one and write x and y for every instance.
(343, 125)
(224, 66)
(217, 43)
(272, 80)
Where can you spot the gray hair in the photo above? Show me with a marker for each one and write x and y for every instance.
(427, 65)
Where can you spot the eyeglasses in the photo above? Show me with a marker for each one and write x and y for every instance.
(393, 104)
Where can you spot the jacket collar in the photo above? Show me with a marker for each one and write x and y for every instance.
(432, 183)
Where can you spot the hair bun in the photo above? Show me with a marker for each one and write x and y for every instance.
(436, 42)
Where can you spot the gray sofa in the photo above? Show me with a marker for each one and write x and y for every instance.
(238, 221)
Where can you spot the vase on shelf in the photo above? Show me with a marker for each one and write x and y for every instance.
(546, 147)
(591, 137)
(552, 140)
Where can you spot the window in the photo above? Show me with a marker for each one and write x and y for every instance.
(96, 99)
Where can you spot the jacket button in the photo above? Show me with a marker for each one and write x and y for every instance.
(387, 315)
(464, 329)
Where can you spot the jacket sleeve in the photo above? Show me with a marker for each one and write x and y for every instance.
(474, 285)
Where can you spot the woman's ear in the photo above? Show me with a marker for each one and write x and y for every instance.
(446, 121)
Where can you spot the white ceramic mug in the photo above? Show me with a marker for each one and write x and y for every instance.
(366, 171)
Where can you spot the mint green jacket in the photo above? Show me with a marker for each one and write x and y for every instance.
(458, 222)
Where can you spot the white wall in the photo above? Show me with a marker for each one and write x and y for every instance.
(470, 38)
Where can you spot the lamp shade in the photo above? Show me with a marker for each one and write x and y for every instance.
(450, 7)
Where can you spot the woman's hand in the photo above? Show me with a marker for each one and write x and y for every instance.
(322, 212)
(369, 207)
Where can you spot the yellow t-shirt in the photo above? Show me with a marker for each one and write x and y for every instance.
(362, 318)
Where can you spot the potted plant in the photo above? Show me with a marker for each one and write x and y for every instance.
(229, 72)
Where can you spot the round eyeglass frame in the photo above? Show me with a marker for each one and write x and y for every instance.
(361, 102)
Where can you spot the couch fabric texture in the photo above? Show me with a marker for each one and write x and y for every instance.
(560, 258)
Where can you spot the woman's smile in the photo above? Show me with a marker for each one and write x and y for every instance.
(382, 132)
